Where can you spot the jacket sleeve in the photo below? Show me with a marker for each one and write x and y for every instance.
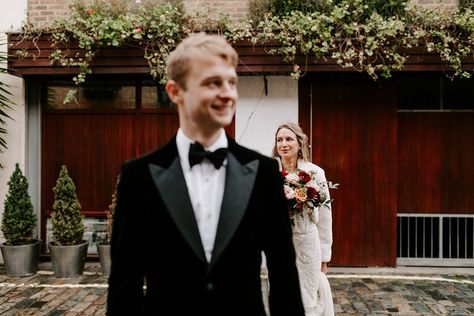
(324, 223)
(285, 295)
(125, 293)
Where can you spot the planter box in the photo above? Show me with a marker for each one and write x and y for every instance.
(253, 60)
(21, 260)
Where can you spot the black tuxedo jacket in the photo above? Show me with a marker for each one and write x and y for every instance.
(158, 262)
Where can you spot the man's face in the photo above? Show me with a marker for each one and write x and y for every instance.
(208, 100)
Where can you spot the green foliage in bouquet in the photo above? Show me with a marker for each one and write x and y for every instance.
(66, 218)
(18, 220)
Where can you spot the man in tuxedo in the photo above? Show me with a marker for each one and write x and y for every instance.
(194, 216)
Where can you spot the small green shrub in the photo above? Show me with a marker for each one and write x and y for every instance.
(66, 218)
(111, 211)
(18, 220)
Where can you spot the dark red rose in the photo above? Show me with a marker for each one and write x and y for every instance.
(284, 173)
(305, 177)
(311, 192)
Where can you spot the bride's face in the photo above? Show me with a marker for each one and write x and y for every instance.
(287, 144)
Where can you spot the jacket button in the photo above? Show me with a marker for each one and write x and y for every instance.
(210, 286)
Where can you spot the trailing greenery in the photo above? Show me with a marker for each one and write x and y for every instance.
(5, 102)
(156, 26)
(66, 218)
(19, 219)
(281, 8)
(372, 36)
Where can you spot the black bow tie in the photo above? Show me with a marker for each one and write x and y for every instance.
(197, 154)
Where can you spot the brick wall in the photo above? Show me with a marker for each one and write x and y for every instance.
(42, 12)
(237, 9)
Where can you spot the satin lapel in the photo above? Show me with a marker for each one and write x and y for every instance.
(172, 188)
(239, 184)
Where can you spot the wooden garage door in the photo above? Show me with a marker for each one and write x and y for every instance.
(112, 121)
(352, 122)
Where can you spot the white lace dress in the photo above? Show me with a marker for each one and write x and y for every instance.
(312, 238)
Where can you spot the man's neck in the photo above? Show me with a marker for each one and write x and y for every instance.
(205, 138)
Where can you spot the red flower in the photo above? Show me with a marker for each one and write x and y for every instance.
(138, 30)
(312, 193)
(305, 177)
(90, 11)
(302, 193)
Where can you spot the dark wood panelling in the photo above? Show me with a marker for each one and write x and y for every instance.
(354, 140)
(253, 59)
(92, 146)
(436, 162)
(157, 130)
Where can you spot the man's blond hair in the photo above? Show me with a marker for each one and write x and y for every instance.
(180, 60)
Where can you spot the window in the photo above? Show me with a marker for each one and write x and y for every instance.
(94, 94)
(434, 92)
(154, 96)
(104, 94)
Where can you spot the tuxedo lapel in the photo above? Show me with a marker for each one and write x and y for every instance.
(171, 185)
(239, 184)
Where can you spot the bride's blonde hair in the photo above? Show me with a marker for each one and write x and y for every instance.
(303, 153)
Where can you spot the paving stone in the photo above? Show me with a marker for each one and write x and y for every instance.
(355, 296)
(347, 308)
(411, 298)
(100, 312)
(420, 307)
(337, 308)
(80, 307)
(436, 295)
(438, 309)
(361, 307)
(446, 303)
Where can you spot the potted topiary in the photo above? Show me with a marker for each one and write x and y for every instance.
(20, 251)
(68, 248)
(103, 249)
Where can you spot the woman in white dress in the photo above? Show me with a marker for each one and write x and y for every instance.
(312, 228)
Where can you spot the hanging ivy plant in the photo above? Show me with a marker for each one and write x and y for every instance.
(367, 35)
(372, 36)
(155, 26)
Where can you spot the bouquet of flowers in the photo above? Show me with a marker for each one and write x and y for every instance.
(302, 192)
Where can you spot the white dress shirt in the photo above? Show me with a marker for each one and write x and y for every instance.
(205, 185)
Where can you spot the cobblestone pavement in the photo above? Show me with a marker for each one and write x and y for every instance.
(355, 292)
(444, 292)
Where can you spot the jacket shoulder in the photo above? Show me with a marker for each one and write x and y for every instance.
(162, 156)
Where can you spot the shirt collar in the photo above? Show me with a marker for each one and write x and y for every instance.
(183, 142)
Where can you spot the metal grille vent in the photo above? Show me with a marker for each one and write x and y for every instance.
(436, 240)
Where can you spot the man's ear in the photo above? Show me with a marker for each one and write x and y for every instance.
(174, 92)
